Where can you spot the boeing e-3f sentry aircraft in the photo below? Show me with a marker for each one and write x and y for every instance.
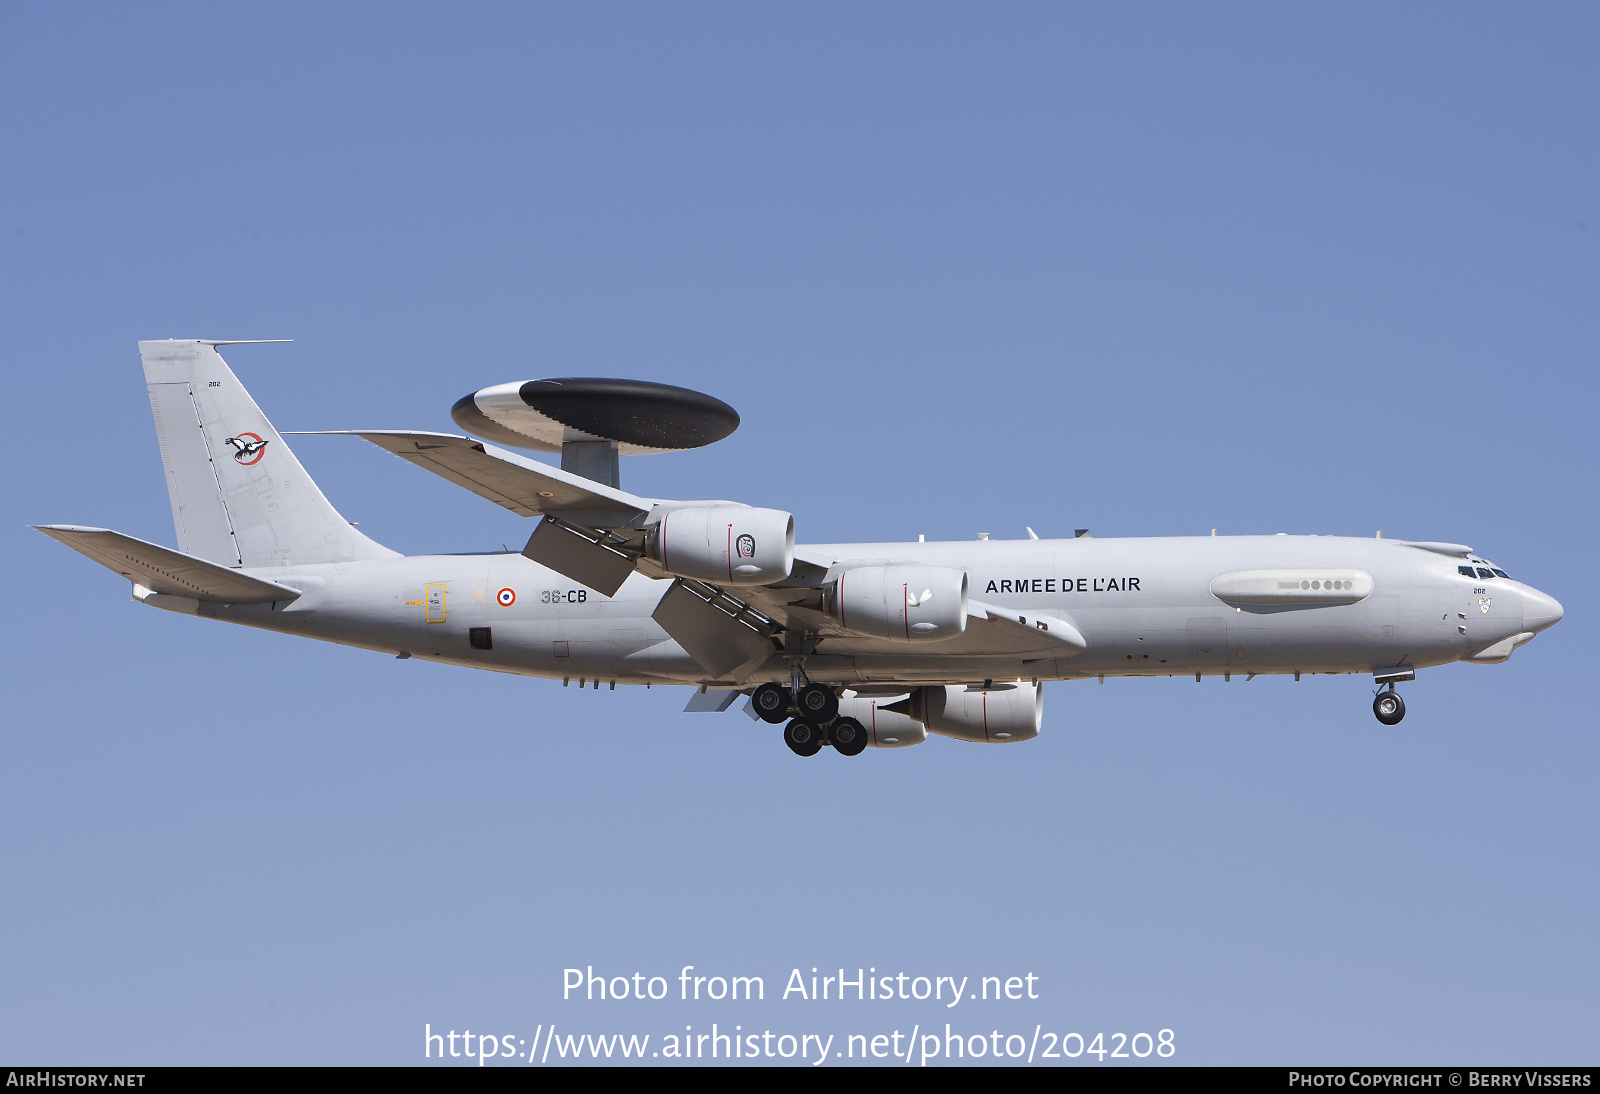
(849, 645)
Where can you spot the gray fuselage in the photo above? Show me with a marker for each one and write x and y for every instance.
(1145, 607)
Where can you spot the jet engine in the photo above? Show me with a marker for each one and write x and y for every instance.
(987, 716)
(728, 544)
(909, 602)
(885, 728)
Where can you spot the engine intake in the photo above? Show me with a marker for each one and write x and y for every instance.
(733, 545)
(909, 602)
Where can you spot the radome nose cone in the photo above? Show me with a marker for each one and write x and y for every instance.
(1540, 611)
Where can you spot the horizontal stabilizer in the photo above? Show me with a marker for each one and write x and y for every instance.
(524, 486)
(165, 570)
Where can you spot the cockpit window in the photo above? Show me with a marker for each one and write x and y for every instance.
(1502, 573)
(1466, 571)
(1485, 573)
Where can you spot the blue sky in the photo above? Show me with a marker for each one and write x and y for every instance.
(1148, 269)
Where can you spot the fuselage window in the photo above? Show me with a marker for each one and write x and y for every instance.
(1466, 571)
(1485, 573)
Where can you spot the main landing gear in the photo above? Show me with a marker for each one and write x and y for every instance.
(817, 704)
(1389, 707)
(771, 703)
(847, 736)
(814, 703)
(803, 738)
(816, 721)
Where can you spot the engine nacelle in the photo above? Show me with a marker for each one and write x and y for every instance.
(909, 602)
(987, 717)
(731, 545)
(885, 728)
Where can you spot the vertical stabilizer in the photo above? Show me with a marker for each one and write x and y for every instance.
(239, 496)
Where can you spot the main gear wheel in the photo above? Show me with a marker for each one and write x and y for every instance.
(771, 703)
(803, 738)
(817, 704)
(847, 736)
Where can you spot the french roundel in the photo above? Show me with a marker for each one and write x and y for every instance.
(506, 597)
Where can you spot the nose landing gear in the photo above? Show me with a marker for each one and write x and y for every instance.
(1389, 707)
(1387, 704)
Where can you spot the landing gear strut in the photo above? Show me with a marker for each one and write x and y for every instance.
(1389, 707)
(815, 707)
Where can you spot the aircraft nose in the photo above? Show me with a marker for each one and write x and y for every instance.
(1540, 610)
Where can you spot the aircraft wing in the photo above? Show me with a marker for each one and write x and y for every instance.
(729, 630)
(990, 629)
(730, 627)
(996, 630)
(165, 570)
(526, 487)
(586, 533)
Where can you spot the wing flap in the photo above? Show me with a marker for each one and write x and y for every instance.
(555, 545)
(711, 702)
(717, 631)
(165, 570)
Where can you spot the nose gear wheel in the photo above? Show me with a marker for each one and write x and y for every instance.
(1389, 707)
